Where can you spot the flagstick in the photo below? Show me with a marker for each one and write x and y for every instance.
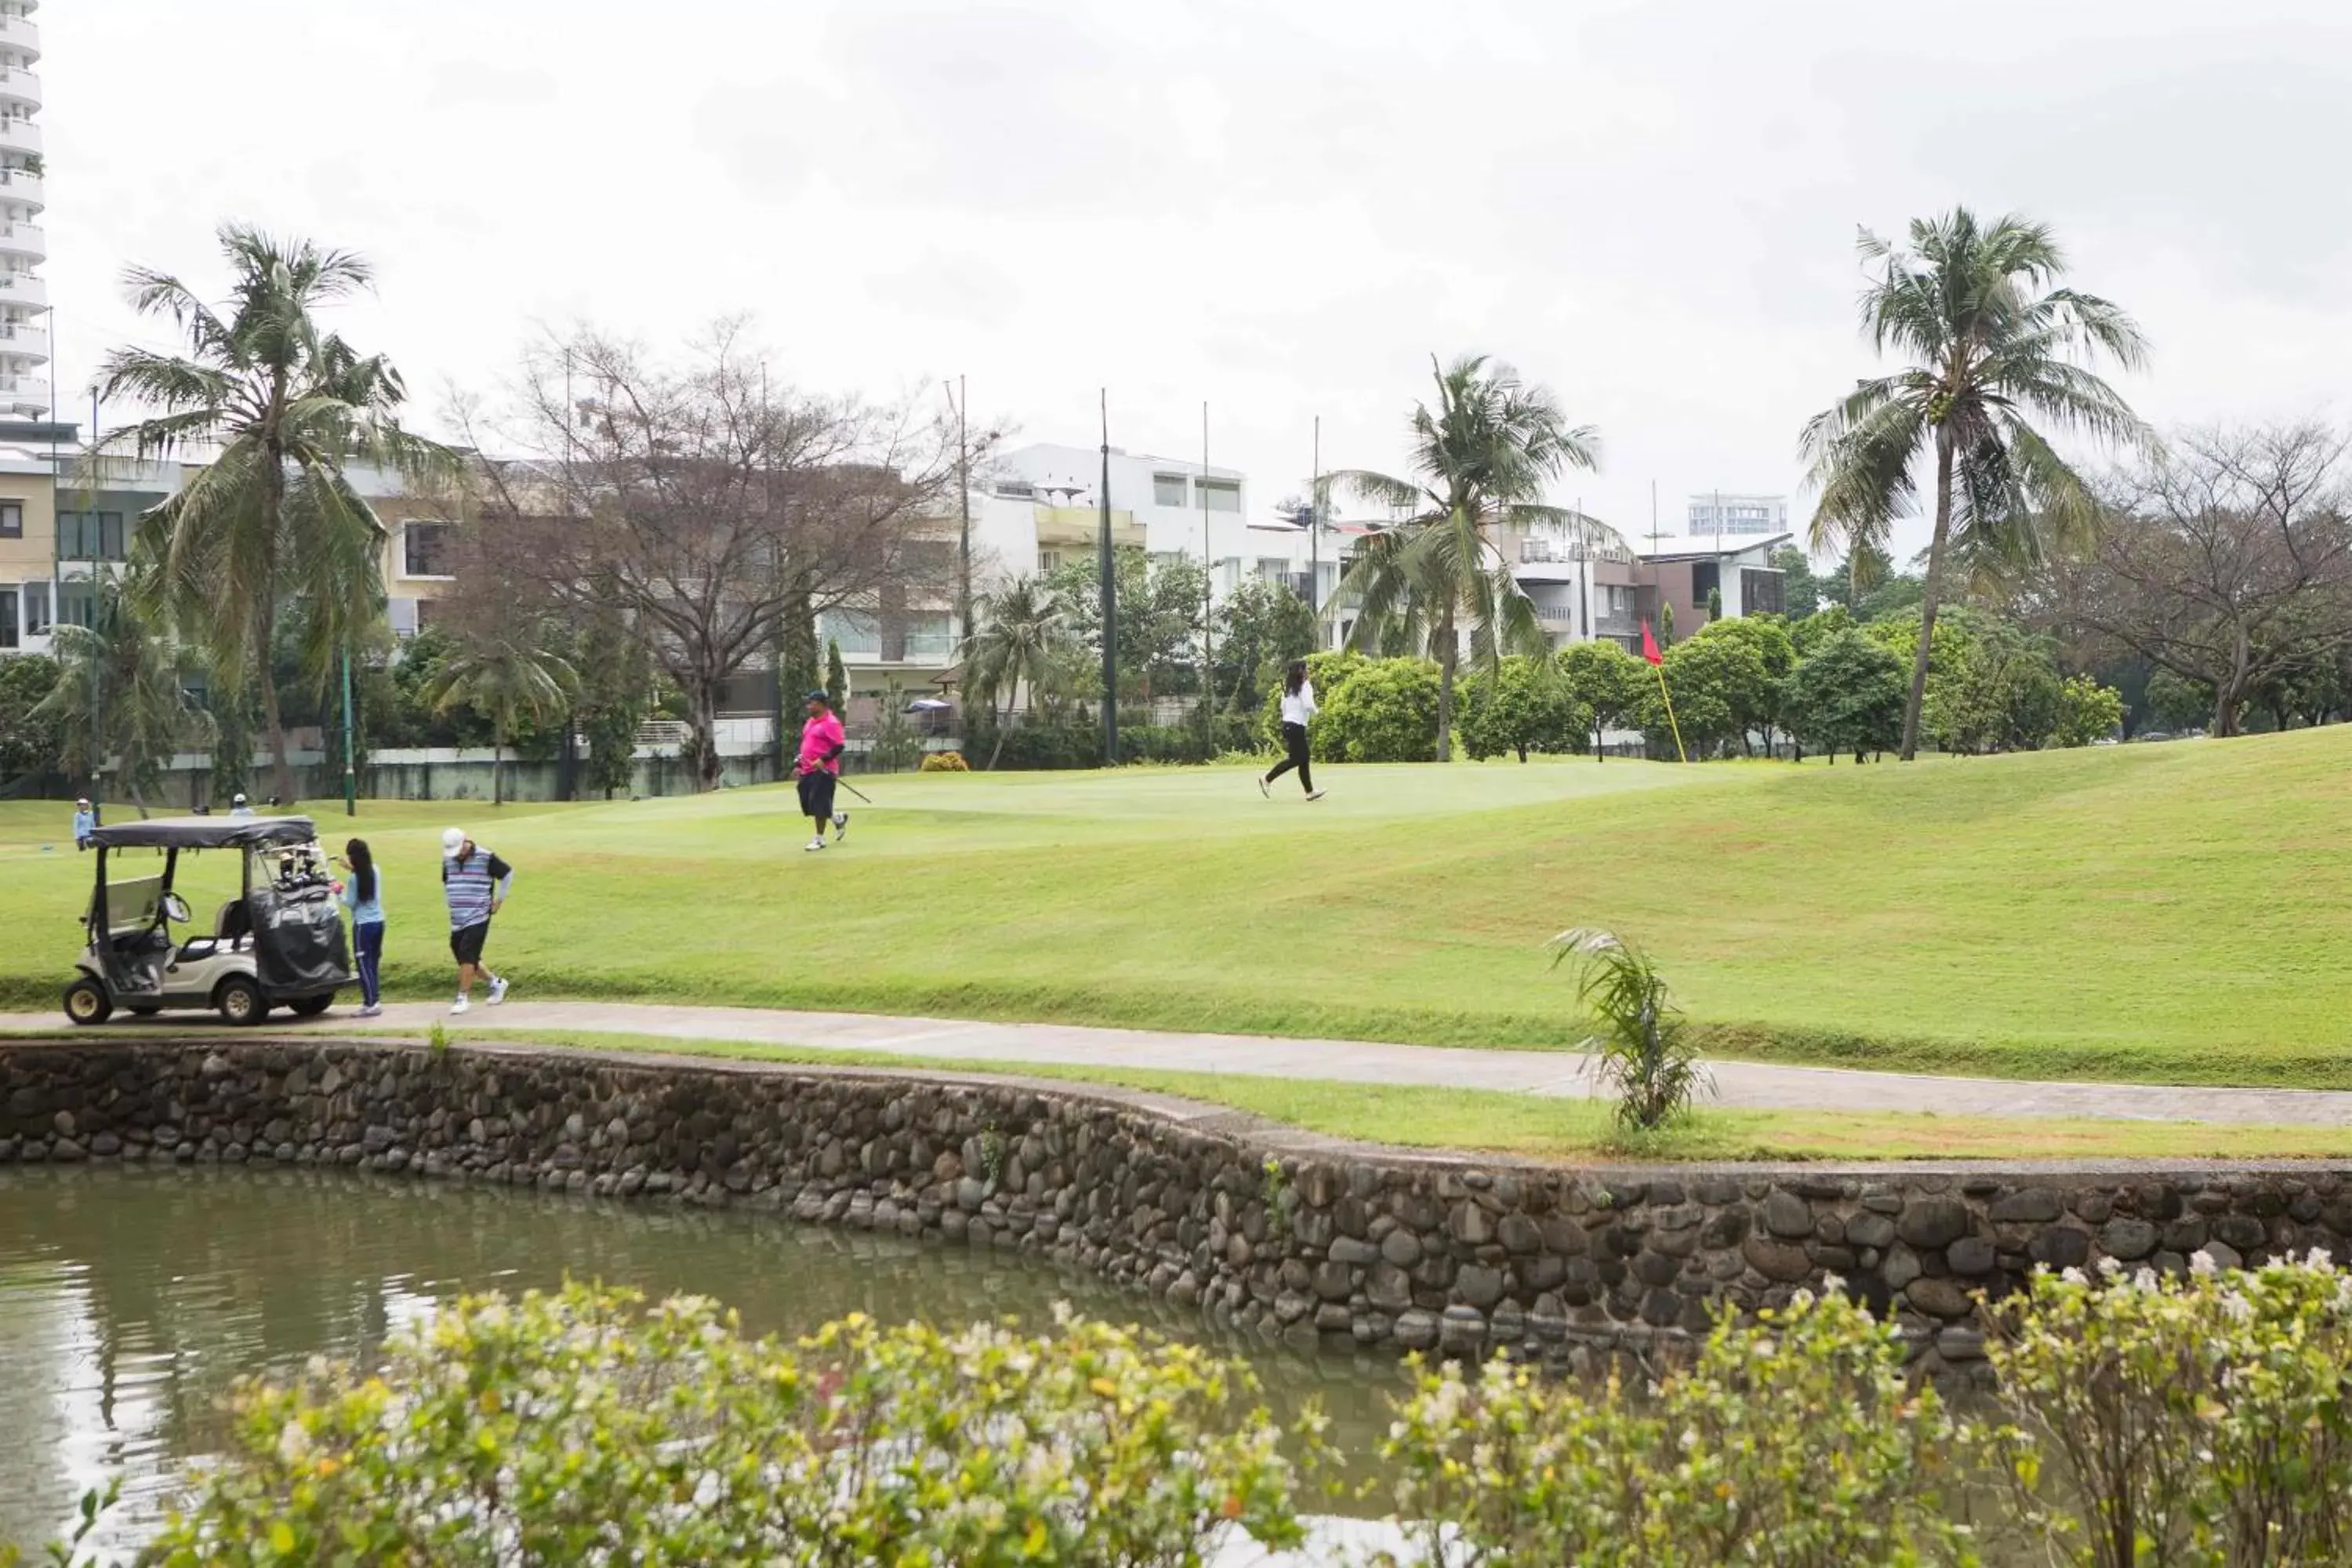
(1680, 755)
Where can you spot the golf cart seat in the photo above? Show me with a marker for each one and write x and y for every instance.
(232, 930)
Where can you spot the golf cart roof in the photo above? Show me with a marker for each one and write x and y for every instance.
(206, 833)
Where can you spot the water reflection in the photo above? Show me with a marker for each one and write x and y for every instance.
(131, 1299)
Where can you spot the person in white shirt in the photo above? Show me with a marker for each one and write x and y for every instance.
(1298, 712)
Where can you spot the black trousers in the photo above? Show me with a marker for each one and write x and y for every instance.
(1295, 737)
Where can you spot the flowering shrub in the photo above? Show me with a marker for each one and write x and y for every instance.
(2194, 1422)
(1795, 1441)
(943, 763)
(584, 1428)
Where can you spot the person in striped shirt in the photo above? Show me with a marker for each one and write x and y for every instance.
(476, 883)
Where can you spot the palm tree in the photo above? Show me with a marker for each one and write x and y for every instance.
(1022, 628)
(508, 681)
(283, 407)
(1994, 347)
(121, 694)
(1482, 457)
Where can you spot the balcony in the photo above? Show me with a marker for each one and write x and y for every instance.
(23, 339)
(21, 86)
(25, 391)
(22, 291)
(20, 136)
(25, 186)
(24, 239)
(16, 33)
(1068, 527)
(1615, 625)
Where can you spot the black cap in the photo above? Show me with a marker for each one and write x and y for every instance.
(818, 697)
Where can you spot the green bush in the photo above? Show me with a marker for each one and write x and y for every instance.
(1523, 705)
(2197, 1421)
(583, 1427)
(1385, 712)
(1039, 744)
(2088, 712)
(1797, 1441)
(1846, 695)
(943, 763)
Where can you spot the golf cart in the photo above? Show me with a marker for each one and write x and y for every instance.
(279, 943)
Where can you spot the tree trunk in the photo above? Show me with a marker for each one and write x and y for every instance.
(265, 657)
(702, 722)
(1931, 591)
(1448, 653)
(498, 764)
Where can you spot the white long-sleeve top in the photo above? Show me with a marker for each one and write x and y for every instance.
(1298, 706)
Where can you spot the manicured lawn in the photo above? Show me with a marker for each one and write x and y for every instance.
(2179, 912)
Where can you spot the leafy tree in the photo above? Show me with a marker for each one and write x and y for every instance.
(1866, 565)
(1714, 605)
(121, 695)
(1949, 649)
(1757, 707)
(2088, 712)
(1018, 650)
(511, 681)
(1482, 456)
(2004, 694)
(2179, 703)
(1384, 712)
(1846, 695)
(1161, 605)
(1990, 355)
(836, 675)
(32, 744)
(1666, 625)
(1261, 628)
(281, 406)
(896, 746)
(1801, 590)
(1817, 628)
(1715, 682)
(1606, 684)
(611, 698)
(1520, 706)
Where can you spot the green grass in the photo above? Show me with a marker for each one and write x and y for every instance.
(1551, 1129)
(2176, 913)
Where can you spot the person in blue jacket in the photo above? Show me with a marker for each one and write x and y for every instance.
(85, 822)
(362, 894)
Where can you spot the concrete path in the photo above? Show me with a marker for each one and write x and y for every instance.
(1740, 1085)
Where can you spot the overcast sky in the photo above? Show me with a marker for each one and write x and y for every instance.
(1281, 209)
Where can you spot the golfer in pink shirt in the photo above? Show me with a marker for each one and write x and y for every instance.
(822, 744)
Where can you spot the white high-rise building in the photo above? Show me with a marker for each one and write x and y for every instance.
(23, 245)
(1721, 513)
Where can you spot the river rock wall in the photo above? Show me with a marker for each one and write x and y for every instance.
(1256, 1225)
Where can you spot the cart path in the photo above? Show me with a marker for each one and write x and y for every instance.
(1742, 1085)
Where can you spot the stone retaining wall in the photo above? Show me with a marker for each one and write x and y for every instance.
(1257, 1225)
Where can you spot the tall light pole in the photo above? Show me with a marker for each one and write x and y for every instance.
(1315, 529)
(963, 493)
(1110, 606)
(1208, 590)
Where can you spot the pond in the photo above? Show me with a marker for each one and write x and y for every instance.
(131, 1299)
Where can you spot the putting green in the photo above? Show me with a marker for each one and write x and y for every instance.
(2173, 912)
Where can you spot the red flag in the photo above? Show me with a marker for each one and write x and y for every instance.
(1650, 646)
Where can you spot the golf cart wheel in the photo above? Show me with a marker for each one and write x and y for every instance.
(87, 1002)
(240, 1000)
(312, 1006)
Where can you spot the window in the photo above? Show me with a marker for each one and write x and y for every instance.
(78, 603)
(8, 618)
(37, 609)
(1049, 561)
(859, 633)
(402, 613)
(1705, 578)
(1762, 593)
(424, 550)
(12, 520)
(1167, 490)
(90, 536)
(1222, 495)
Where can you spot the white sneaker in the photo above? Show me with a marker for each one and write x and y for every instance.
(460, 1006)
(1315, 795)
(498, 991)
(371, 1011)
(815, 844)
(840, 826)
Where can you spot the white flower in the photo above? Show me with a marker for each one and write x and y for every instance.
(2201, 1264)
(2236, 1308)
(2145, 1279)
(293, 1444)
(2109, 1268)
(2073, 1275)
(2318, 1260)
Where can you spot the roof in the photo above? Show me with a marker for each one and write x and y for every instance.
(206, 833)
(1766, 541)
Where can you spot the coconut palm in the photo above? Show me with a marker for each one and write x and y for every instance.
(1994, 348)
(1482, 457)
(122, 695)
(278, 408)
(507, 681)
(1023, 628)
